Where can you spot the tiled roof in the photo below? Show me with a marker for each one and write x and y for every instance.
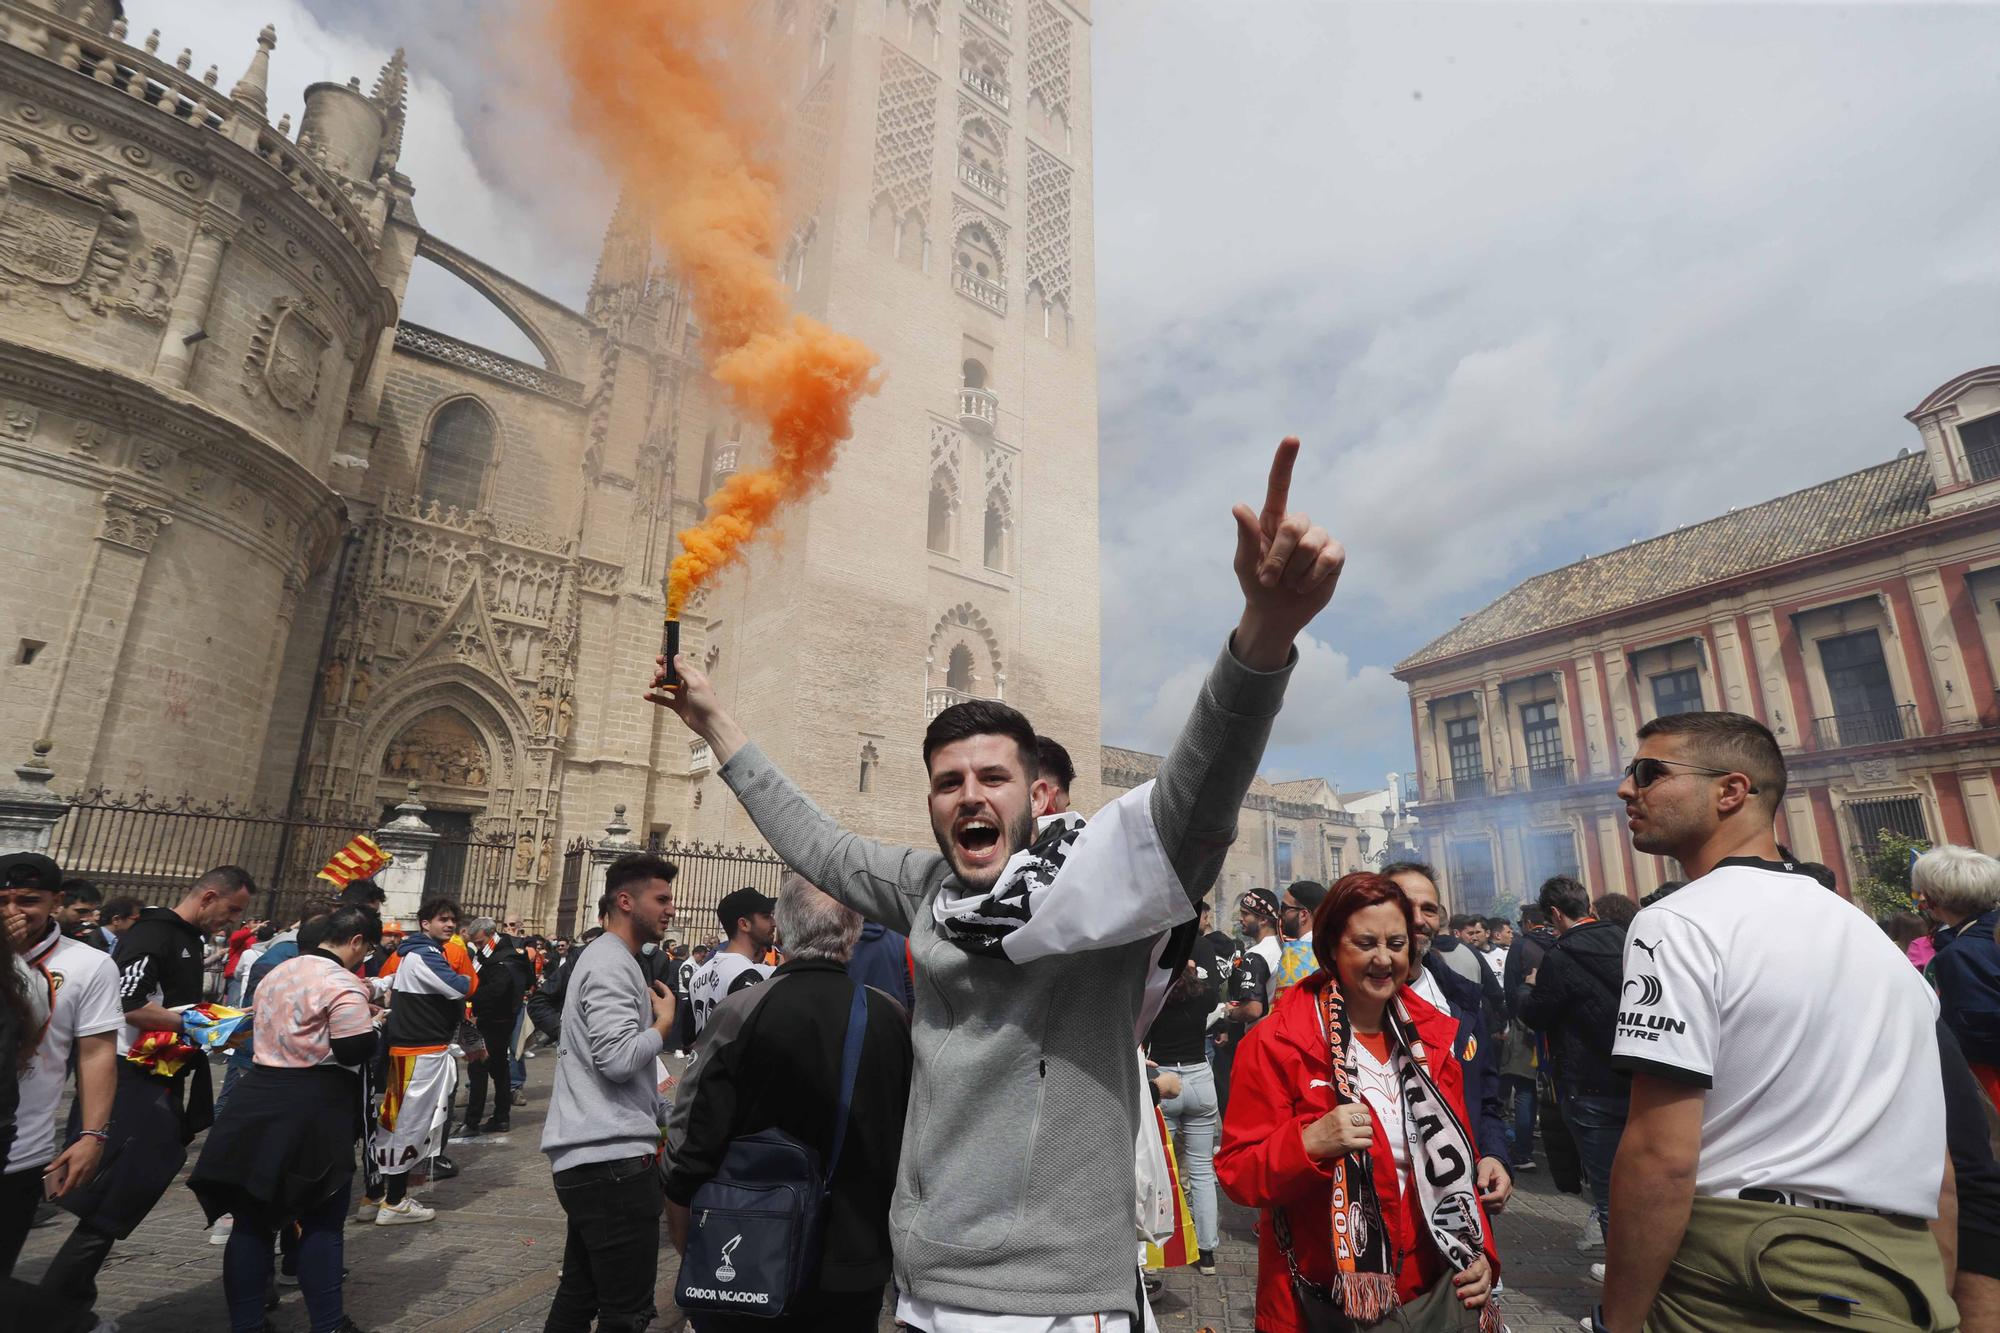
(1141, 765)
(1847, 509)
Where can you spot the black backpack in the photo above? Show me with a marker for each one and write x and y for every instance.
(754, 1228)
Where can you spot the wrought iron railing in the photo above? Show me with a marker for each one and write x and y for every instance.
(1870, 726)
(1984, 461)
(710, 872)
(1540, 777)
(1466, 786)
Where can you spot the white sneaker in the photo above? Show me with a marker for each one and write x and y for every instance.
(403, 1214)
(366, 1212)
(1597, 1274)
(223, 1226)
(1592, 1235)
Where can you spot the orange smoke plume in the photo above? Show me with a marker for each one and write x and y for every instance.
(660, 86)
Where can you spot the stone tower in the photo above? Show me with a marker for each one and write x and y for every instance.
(268, 541)
(941, 191)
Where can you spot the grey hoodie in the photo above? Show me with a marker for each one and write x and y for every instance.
(606, 1104)
(1015, 1194)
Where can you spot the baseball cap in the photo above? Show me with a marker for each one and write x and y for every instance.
(742, 903)
(1261, 901)
(30, 870)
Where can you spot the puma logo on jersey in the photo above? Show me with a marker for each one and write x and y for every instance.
(1638, 943)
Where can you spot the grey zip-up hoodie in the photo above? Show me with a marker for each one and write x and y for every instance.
(1015, 1193)
(606, 1104)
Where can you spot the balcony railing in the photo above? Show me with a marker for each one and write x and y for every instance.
(989, 183)
(978, 409)
(991, 89)
(1540, 777)
(993, 12)
(1984, 460)
(937, 700)
(989, 294)
(1460, 787)
(725, 461)
(1872, 726)
(698, 757)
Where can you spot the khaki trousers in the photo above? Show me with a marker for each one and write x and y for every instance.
(1767, 1266)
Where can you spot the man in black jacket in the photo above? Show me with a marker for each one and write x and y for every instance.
(770, 1058)
(503, 985)
(1573, 1001)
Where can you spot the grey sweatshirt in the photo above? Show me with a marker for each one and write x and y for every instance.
(606, 1104)
(1014, 1194)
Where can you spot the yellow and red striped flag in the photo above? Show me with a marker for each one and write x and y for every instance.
(357, 860)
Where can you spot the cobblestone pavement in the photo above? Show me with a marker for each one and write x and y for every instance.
(490, 1261)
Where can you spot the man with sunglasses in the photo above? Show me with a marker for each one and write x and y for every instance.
(1787, 1109)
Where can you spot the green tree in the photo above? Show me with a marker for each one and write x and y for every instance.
(1885, 886)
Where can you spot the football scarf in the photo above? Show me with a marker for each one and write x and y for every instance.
(1442, 1161)
(1077, 886)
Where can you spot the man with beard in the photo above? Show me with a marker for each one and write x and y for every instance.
(1784, 1118)
(1444, 989)
(747, 917)
(1014, 1204)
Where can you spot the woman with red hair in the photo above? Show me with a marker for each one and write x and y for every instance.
(1346, 1128)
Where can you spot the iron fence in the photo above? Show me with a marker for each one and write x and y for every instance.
(1870, 726)
(151, 848)
(708, 874)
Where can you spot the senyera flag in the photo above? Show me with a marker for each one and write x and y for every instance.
(357, 860)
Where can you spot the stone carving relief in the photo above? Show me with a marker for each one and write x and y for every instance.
(1000, 479)
(1048, 58)
(17, 421)
(64, 235)
(905, 132)
(131, 524)
(286, 353)
(439, 747)
(1048, 262)
(946, 447)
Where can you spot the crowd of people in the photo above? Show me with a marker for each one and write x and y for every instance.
(1000, 1082)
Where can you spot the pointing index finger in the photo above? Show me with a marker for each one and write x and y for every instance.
(1278, 492)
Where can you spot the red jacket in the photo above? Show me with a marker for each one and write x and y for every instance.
(1263, 1164)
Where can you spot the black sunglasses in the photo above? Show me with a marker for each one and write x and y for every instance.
(1645, 772)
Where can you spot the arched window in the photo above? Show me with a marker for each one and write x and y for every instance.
(976, 253)
(958, 669)
(458, 456)
(974, 373)
(938, 532)
(996, 536)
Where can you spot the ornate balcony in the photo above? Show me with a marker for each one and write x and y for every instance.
(993, 12)
(989, 294)
(990, 184)
(990, 89)
(699, 758)
(937, 700)
(725, 462)
(978, 410)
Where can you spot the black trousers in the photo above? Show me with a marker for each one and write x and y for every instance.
(499, 1039)
(611, 1260)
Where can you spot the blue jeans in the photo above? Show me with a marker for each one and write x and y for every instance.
(1521, 1134)
(1596, 1121)
(1193, 1119)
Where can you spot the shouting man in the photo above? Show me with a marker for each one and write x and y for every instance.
(1014, 1195)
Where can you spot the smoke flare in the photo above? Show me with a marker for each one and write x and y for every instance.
(652, 82)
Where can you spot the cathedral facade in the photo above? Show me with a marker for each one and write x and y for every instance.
(269, 543)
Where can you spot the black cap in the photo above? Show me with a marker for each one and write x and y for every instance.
(742, 903)
(1261, 901)
(30, 870)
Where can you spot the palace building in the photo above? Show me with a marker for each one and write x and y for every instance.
(1858, 618)
(270, 545)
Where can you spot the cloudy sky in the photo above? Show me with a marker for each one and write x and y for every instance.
(1529, 280)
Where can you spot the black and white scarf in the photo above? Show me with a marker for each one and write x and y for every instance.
(1442, 1161)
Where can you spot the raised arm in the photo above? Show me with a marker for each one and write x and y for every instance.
(1287, 568)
